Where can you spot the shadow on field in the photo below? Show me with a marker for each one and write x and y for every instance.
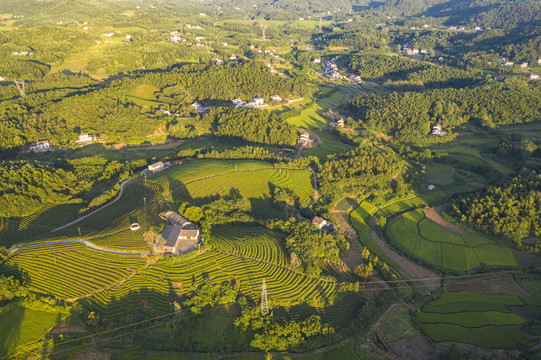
(19, 230)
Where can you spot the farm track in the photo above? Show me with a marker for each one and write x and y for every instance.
(120, 192)
(15, 248)
(410, 269)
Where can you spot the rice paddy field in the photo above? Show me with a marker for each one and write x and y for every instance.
(359, 218)
(159, 284)
(120, 284)
(439, 174)
(256, 186)
(467, 317)
(438, 246)
(410, 203)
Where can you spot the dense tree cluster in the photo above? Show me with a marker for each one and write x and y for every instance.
(26, 186)
(442, 76)
(281, 337)
(512, 209)
(59, 106)
(362, 38)
(209, 295)
(252, 125)
(307, 246)
(357, 172)
(11, 288)
(409, 115)
(377, 66)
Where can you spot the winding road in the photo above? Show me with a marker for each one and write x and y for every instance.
(16, 248)
(101, 208)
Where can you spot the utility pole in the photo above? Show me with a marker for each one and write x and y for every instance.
(78, 228)
(20, 87)
(264, 300)
(263, 30)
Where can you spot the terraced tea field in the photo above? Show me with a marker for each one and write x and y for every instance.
(468, 317)
(253, 185)
(110, 227)
(19, 230)
(249, 240)
(438, 246)
(158, 285)
(178, 175)
(69, 271)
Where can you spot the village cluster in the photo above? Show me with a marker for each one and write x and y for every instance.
(331, 70)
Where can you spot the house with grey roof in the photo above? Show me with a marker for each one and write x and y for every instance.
(180, 234)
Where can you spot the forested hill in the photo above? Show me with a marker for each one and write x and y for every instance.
(485, 13)
(66, 8)
(110, 112)
(409, 115)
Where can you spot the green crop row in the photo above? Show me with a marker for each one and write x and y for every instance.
(247, 240)
(191, 170)
(70, 270)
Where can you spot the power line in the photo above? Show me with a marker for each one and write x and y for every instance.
(225, 306)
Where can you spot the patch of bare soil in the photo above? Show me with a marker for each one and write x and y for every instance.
(92, 354)
(158, 146)
(159, 131)
(352, 256)
(67, 328)
(382, 135)
(434, 214)
(493, 284)
(413, 347)
(145, 305)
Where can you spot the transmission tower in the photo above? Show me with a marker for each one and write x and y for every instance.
(20, 87)
(263, 30)
(264, 302)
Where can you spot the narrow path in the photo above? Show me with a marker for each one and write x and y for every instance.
(101, 208)
(328, 102)
(15, 248)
